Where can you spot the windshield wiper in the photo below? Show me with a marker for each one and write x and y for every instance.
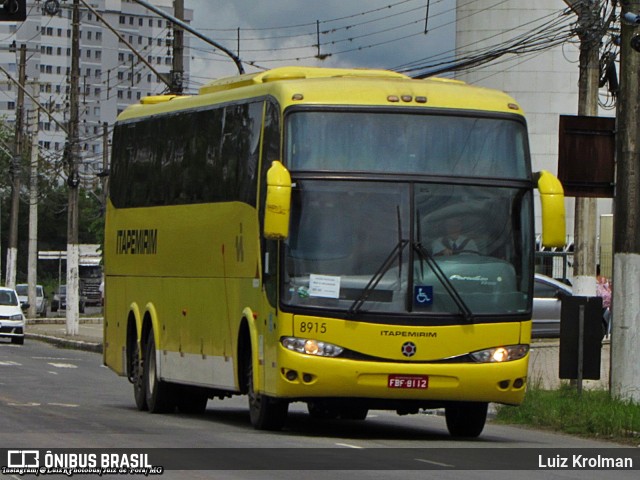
(375, 279)
(446, 283)
(384, 268)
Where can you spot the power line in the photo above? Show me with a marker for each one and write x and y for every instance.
(541, 37)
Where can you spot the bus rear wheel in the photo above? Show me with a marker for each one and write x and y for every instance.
(137, 378)
(466, 419)
(159, 394)
(266, 413)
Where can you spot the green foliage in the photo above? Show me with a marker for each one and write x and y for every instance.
(592, 414)
(6, 146)
(53, 202)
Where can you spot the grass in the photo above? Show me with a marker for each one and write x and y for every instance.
(594, 414)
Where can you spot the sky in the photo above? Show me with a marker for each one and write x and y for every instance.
(353, 33)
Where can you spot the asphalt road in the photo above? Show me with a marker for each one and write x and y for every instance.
(52, 398)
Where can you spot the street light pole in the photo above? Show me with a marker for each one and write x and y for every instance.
(73, 180)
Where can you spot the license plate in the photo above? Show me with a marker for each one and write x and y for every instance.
(419, 382)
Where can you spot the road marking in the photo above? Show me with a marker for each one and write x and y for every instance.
(10, 364)
(62, 365)
(348, 445)
(68, 405)
(433, 463)
(51, 358)
(28, 404)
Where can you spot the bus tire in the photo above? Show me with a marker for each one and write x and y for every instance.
(159, 394)
(266, 413)
(466, 419)
(138, 379)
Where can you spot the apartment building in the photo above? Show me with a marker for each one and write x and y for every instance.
(111, 75)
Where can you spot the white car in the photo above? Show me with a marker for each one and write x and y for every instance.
(11, 316)
(22, 290)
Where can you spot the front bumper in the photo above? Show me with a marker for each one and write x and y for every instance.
(11, 328)
(322, 377)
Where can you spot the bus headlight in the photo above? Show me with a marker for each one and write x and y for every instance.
(311, 347)
(500, 354)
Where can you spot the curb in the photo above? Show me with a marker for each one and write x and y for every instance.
(67, 343)
(62, 320)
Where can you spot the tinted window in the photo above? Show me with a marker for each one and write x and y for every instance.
(544, 290)
(407, 143)
(188, 157)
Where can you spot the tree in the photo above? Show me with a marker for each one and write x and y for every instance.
(6, 157)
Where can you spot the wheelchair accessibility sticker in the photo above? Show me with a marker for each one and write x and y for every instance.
(422, 295)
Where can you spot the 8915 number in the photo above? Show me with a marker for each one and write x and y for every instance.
(313, 327)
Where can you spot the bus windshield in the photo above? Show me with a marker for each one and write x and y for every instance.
(387, 142)
(356, 245)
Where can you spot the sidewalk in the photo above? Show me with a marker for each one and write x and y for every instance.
(54, 330)
(543, 362)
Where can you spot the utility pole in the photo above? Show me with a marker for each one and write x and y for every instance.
(584, 234)
(105, 166)
(73, 180)
(177, 72)
(625, 334)
(32, 269)
(12, 247)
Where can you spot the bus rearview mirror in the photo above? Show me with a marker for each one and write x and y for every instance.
(278, 202)
(553, 214)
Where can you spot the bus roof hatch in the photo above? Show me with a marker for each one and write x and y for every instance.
(292, 73)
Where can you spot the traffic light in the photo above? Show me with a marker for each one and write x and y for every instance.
(13, 10)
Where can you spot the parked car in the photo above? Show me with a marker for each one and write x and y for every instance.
(547, 304)
(11, 316)
(42, 302)
(59, 300)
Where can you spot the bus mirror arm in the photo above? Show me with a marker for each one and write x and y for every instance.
(553, 213)
(278, 202)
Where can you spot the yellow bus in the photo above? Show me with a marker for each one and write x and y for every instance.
(350, 239)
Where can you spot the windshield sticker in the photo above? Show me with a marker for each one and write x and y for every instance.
(422, 295)
(326, 286)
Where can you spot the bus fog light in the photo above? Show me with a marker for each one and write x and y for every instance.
(310, 346)
(500, 354)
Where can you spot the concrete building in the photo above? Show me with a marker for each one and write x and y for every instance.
(545, 83)
(111, 75)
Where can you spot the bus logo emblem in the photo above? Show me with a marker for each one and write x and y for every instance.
(409, 349)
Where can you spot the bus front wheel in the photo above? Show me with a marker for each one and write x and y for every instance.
(266, 413)
(466, 419)
(159, 394)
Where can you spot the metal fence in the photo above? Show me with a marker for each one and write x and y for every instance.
(557, 265)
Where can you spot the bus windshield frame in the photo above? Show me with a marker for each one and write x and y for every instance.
(370, 244)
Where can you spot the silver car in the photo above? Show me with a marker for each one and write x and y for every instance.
(22, 290)
(547, 305)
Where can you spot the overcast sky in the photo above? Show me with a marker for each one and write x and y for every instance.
(353, 33)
